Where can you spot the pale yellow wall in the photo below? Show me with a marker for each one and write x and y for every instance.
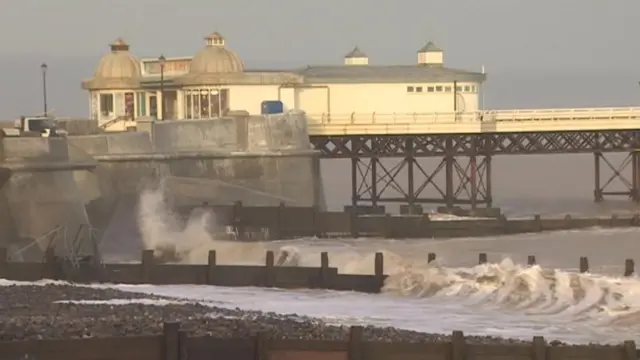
(250, 97)
(356, 61)
(344, 99)
(314, 100)
(431, 57)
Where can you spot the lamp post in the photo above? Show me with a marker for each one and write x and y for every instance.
(43, 68)
(162, 60)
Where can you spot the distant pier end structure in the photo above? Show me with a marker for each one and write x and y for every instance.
(364, 112)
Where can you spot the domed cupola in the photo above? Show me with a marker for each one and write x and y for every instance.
(118, 69)
(211, 62)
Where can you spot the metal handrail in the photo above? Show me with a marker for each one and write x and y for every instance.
(472, 116)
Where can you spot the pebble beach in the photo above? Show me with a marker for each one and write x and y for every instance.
(36, 312)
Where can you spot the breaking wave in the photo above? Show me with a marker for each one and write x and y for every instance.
(176, 240)
(529, 289)
(508, 286)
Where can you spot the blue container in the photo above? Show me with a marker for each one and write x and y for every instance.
(272, 107)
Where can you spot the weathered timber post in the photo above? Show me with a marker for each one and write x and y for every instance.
(539, 348)
(261, 347)
(629, 267)
(379, 270)
(531, 260)
(147, 264)
(537, 223)
(171, 340)
(584, 264)
(325, 282)
(4, 263)
(269, 275)
(355, 343)
(211, 268)
(458, 346)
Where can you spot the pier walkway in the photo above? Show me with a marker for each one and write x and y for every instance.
(489, 121)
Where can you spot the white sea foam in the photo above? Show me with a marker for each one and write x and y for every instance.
(191, 240)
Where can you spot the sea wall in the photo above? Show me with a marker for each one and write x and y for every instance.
(259, 160)
(41, 205)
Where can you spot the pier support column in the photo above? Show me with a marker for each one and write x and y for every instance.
(635, 177)
(449, 161)
(597, 190)
(620, 182)
(407, 171)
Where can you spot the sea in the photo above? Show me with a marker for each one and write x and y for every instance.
(501, 298)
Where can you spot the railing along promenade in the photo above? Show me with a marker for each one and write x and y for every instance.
(489, 121)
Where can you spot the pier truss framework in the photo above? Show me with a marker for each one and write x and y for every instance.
(385, 168)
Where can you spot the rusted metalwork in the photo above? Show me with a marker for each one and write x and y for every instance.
(619, 176)
(465, 163)
(466, 144)
(452, 181)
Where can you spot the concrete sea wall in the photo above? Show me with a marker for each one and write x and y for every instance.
(259, 160)
(40, 204)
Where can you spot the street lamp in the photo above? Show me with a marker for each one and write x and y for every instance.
(43, 68)
(162, 60)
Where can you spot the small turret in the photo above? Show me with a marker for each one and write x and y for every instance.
(430, 55)
(356, 57)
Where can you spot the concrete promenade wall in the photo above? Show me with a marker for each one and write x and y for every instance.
(259, 160)
(41, 204)
(174, 344)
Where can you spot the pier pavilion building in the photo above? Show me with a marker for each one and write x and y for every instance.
(215, 80)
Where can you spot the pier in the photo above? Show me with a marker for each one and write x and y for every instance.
(466, 142)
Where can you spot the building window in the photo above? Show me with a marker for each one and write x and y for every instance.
(438, 88)
(430, 89)
(458, 88)
(447, 89)
(418, 88)
(473, 88)
(410, 88)
(206, 103)
(467, 88)
(106, 104)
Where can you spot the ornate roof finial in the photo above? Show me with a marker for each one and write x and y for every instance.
(119, 45)
(214, 39)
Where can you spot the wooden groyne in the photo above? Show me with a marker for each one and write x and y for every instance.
(282, 222)
(150, 271)
(175, 344)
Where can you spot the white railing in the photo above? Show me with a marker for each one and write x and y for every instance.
(484, 116)
(478, 121)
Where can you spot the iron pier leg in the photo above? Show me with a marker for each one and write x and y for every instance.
(473, 169)
(449, 162)
(410, 159)
(635, 188)
(597, 190)
(354, 182)
(374, 182)
(488, 175)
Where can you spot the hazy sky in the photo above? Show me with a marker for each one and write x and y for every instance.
(545, 53)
